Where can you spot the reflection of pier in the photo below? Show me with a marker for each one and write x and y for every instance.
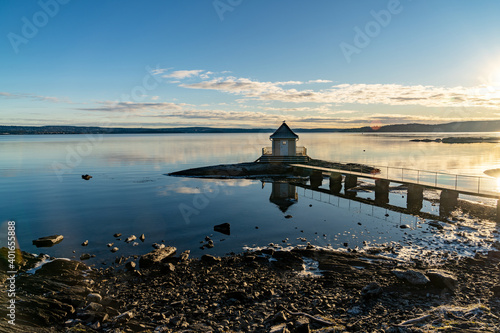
(448, 198)
(351, 196)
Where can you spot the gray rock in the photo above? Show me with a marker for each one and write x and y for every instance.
(210, 259)
(85, 243)
(114, 249)
(442, 279)
(130, 266)
(142, 237)
(281, 328)
(94, 297)
(130, 239)
(48, 241)
(117, 235)
(224, 228)
(85, 256)
(371, 290)
(412, 276)
(156, 256)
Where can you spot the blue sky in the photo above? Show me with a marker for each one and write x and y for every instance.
(242, 63)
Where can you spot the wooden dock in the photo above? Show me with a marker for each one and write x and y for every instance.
(474, 186)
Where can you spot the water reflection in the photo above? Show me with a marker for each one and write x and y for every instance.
(283, 195)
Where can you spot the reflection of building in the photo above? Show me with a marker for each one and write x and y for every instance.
(284, 147)
(283, 195)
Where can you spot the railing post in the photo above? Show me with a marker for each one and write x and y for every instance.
(456, 182)
(418, 176)
(402, 174)
(387, 176)
(478, 184)
(436, 181)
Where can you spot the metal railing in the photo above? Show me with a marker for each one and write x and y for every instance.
(465, 183)
(299, 151)
(267, 151)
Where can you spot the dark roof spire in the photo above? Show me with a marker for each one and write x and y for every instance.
(284, 132)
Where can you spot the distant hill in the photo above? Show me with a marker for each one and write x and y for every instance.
(464, 126)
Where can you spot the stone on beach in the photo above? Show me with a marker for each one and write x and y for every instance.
(114, 249)
(156, 256)
(48, 241)
(442, 279)
(85, 243)
(412, 276)
(117, 234)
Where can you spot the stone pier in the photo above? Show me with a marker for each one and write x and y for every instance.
(448, 201)
(381, 191)
(316, 179)
(351, 181)
(415, 197)
(335, 182)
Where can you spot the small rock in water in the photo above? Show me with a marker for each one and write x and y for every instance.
(288, 216)
(109, 244)
(117, 235)
(210, 244)
(85, 256)
(404, 226)
(85, 243)
(158, 246)
(130, 239)
(86, 177)
(135, 244)
(142, 237)
(224, 228)
(114, 249)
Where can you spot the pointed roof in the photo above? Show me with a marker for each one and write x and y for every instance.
(284, 132)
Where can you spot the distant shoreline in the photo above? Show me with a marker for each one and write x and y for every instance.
(465, 126)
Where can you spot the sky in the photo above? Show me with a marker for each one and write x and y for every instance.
(248, 63)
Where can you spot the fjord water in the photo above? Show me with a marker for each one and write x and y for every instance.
(43, 192)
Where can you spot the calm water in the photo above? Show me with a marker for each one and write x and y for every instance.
(43, 192)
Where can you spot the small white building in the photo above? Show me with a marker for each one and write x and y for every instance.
(284, 147)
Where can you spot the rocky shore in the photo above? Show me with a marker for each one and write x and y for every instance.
(303, 290)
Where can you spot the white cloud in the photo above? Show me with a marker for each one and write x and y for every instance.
(155, 98)
(34, 97)
(110, 106)
(319, 81)
(384, 94)
(183, 74)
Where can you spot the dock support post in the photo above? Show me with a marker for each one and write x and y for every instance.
(415, 198)
(335, 182)
(448, 201)
(316, 179)
(351, 181)
(382, 191)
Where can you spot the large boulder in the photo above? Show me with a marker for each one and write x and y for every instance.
(442, 279)
(412, 276)
(48, 241)
(156, 256)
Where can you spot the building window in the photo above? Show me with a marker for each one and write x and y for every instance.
(283, 142)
